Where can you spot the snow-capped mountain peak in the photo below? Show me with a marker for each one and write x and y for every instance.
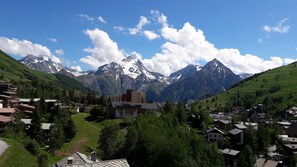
(215, 66)
(189, 70)
(129, 66)
(45, 64)
(41, 63)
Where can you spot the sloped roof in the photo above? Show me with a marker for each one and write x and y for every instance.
(230, 152)
(226, 122)
(266, 163)
(22, 100)
(26, 121)
(240, 126)
(46, 126)
(51, 100)
(8, 110)
(112, 163)
(27, 106)
(289, 139)
(235, 131)
(291, 146)
(82, 160)
(5, 119)
(214, 130)
(10, 92)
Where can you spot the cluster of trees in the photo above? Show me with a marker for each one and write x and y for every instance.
(37, 88)
(62, 130)
(167, 140)
(36, 140)
(164, 140)
(101, 110)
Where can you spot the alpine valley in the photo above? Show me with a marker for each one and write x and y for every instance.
(191, 82)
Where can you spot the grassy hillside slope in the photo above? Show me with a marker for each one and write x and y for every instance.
(277, 87)
(17, 155)
(86, 137)
(11, 69)
(15, 72)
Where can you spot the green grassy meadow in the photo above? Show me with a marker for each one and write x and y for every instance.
(87, 135)
(282, 79)
(17, 155)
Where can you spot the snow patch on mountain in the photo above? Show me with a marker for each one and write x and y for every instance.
(129, 66)
(45, 64)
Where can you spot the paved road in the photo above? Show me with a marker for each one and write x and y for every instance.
(3, 147)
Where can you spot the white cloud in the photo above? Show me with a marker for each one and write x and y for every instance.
(160, 17)
(279, 27)
(137, 55)
(150, 35)
(188, 45)
(87, 17)
(156, 16)
(104, 51)
(184, 46)
(247, 63)
(24, 47)
(119, 28)
(138, 28)
(59, 52)
(288, 60)
(92, 19)
(54, 40)
(101, 19)
(77, 68)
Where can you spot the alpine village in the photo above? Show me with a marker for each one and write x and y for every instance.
(198, 116)
(139, 83)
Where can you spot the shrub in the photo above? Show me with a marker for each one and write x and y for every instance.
(33, 147)
(274, 89)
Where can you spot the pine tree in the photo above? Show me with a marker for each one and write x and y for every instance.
(109, 141)
(69, 129)
(35, 129)
(57, 137)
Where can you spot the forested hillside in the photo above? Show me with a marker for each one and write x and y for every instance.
(276, 89)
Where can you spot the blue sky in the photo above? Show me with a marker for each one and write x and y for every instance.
(247, 36)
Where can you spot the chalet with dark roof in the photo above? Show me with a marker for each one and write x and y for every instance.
(223, 124)
(236, 136)
(230, 156)
(215, 135)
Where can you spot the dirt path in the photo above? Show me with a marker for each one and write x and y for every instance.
(76, 147)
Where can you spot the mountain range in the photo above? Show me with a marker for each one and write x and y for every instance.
(191, 82)
(45, 64)
(15, 72)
